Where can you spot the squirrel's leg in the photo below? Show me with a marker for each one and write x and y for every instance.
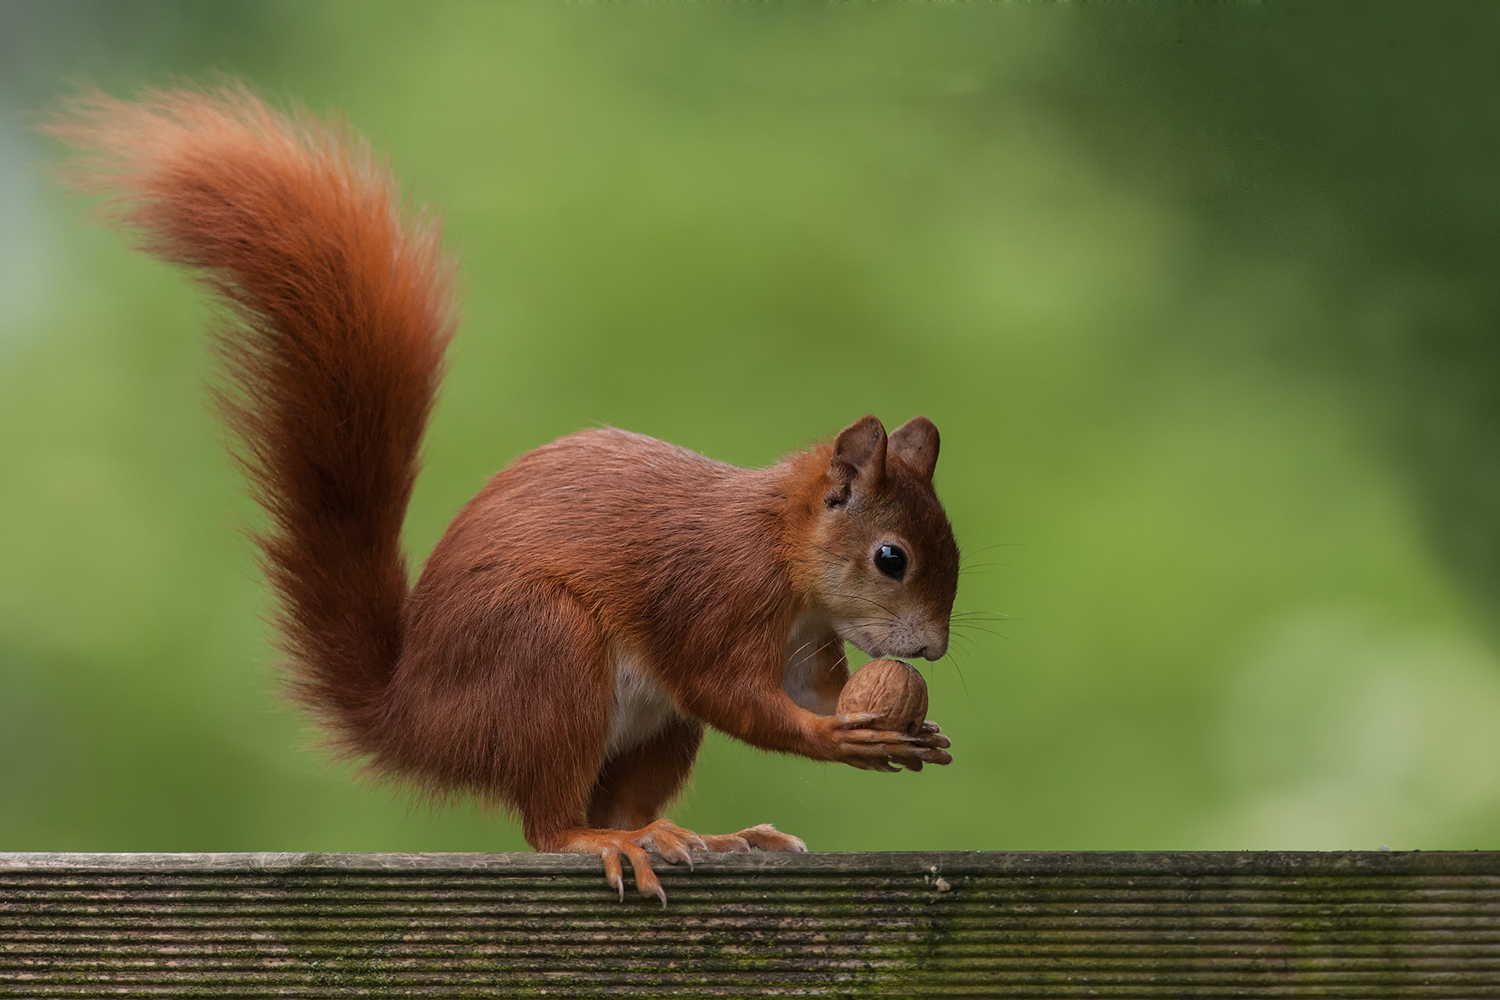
(622, 816)
(634, 788)
(508, 697)
(636, 785)
(617, 818)
(630, 791)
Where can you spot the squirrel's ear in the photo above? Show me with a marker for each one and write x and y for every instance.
(858, 460)
(915, 445)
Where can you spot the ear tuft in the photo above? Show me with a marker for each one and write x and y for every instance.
(858, 460)
(915, 445)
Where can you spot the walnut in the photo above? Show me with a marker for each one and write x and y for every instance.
(892, 688)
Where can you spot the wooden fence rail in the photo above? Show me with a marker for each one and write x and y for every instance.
(985, 924)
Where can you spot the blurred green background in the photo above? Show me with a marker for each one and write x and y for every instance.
(1203, 298)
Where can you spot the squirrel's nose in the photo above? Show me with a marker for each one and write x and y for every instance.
(934, 650)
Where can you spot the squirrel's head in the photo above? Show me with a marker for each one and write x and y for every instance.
(884, 561)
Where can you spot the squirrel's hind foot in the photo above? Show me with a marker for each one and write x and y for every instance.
(663, 838)
(764, 837)
(672, 844)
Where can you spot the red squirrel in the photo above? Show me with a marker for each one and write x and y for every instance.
(600, 601)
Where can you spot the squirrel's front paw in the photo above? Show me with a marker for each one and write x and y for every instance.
(879, 750)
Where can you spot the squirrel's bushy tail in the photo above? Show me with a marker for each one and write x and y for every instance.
(338, 314)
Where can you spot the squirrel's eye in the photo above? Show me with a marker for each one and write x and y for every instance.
(891, 561)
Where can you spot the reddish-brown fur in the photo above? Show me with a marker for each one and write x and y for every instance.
(595, 605)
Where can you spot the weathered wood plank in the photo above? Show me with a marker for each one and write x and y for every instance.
(1379, 924)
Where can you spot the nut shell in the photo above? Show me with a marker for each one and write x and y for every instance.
(892, 688)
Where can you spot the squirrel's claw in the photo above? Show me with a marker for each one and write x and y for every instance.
(882, 750)
(856, 720)
(672, 844)
(612, 873)
(646, 882)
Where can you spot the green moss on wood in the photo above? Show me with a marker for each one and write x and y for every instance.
(870, 925)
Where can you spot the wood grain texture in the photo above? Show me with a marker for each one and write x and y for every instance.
(837, 925)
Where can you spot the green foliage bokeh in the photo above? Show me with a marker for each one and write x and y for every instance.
(1203, 299)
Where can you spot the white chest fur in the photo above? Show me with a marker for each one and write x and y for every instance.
(812, 638)
(641, 708)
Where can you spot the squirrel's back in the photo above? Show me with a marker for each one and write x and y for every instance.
(337, 313)
(624, 521)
